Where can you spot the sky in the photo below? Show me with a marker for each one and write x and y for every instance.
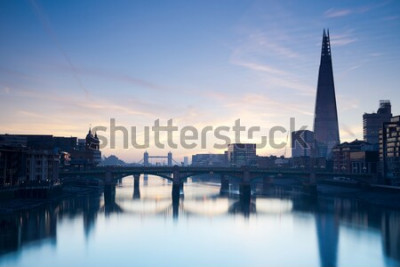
(66, 66)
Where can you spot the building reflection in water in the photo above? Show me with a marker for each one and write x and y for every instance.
(136, 191)
(27, 227)
(175, 206)
(244, 206)
(110, 206)
(40, 224)
(391, 235)
(328, 234)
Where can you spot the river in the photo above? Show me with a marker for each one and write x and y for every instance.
(203, 228)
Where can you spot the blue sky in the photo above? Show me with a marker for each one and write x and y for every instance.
(66, 65)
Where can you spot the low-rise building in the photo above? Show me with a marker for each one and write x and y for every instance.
(239, 155)
(22, 165)
(355, 157)
(209, 160)
(42, 166)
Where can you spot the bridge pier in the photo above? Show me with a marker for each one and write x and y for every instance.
(245, 188)
(136, 188)
(267, 184)
(109, 195)
(224, 184)
(136, 180)
(109, 189)
(177, 183)
(108, 179)
(175, 204)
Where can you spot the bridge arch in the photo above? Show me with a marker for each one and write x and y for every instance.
(123, 175)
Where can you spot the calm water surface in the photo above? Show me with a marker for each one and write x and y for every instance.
(203, 228)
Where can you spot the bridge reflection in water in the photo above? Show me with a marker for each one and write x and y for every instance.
(329, 213)
(131, 197)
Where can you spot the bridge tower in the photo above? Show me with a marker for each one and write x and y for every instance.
(146, 158)
(170, 158)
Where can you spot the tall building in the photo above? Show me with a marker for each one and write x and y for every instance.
(373, 122)
(242, 155)
(389, 151)
(302, 142)
(326, 128)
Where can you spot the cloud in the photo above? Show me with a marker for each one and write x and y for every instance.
(259, 67)
(350, 133)
(118, 77)
(334, 13)
(343, 39)
(376, 54)
(347, 103)
(6, 90)
(268, 42)
(391, 18)
(275, 77)
(40, 13)
(30, 114)
(254, 104)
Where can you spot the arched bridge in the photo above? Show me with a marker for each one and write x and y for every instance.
(177, 174)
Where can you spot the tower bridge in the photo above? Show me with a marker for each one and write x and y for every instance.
(146, 160)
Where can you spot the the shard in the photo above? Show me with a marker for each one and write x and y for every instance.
(326, 128)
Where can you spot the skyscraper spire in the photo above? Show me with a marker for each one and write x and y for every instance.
(326, 127)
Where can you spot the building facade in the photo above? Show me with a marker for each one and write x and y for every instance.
(12, 165)
(389, 151)
(373, 122)
(22, 165)
(209, 160)
(42, 166)
(87, 153)
(357, 157)
(239, 155)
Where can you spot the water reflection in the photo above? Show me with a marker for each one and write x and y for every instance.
(243, 206)
(110, 206)
(136, 191)
(328, 233)
(132, 200)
